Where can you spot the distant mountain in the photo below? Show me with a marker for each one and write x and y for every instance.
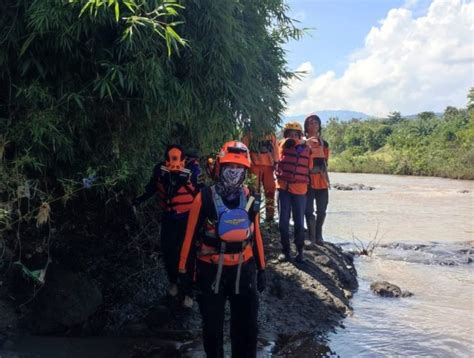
(325, 115)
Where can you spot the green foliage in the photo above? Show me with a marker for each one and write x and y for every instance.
(426, 145)
(95, 89)
(358, 136)
(470, 97)
(394, 117)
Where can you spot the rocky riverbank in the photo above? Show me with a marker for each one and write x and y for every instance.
(118, 298)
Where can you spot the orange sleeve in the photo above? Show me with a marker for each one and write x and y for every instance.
(246, 140)
(190, 231)
(258, 246)
(280, 148)
(276, 150)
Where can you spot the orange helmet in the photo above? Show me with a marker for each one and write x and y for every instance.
(234, 152)
(174, 158)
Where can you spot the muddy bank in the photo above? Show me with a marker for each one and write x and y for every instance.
(126, 297)
(307, 298)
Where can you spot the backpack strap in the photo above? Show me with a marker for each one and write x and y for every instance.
(239, 270)
(218, 203)
(217, 281)
(243, 200)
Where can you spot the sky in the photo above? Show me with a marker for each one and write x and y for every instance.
(380, 56)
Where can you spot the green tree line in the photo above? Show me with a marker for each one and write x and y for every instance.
(429, 144)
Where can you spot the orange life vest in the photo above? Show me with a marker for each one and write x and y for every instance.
(180, 202)
(317, 148)
(294, 165)
(319, 159)
(227, 241)
(211, 243)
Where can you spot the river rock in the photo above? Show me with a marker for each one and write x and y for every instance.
(67, 299)
(386, 289)
(347, 293)
(353, 186)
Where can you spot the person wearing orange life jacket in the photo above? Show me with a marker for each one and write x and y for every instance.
(292, 183)
(319, 179)
(224, 245)
(264, 157)
(175, 180)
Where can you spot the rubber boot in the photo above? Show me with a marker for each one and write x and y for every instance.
(319, 228)
(311, 222)
(173, 290)
(299, 256)
(188, 302)
(284, 256)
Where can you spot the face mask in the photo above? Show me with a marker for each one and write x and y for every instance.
(230, 180)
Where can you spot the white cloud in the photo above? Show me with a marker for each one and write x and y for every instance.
(407, 64)
(410, 4)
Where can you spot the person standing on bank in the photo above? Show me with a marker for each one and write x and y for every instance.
(224, 245)
(318, 189)
(292, 183)
(264, 157)
(176, 181)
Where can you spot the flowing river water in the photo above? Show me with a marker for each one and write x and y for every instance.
(426, 230)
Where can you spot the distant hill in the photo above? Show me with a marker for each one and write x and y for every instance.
(325, 115)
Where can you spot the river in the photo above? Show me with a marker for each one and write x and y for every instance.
(426, 232)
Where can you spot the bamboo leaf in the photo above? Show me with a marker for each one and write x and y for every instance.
(117, 11)
(26, 44)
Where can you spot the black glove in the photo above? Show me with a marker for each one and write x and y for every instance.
(261, 281)
(289, 143)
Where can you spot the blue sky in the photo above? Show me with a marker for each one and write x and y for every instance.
(354, 39)
(338, 27)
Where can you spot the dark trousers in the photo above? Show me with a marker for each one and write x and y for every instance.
(321, 196)
(243, 309)
(291, 204)
(172, 236)
(315, 224)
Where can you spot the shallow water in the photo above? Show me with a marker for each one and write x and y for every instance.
(425, 227)
(405, 208)
(426, 231)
